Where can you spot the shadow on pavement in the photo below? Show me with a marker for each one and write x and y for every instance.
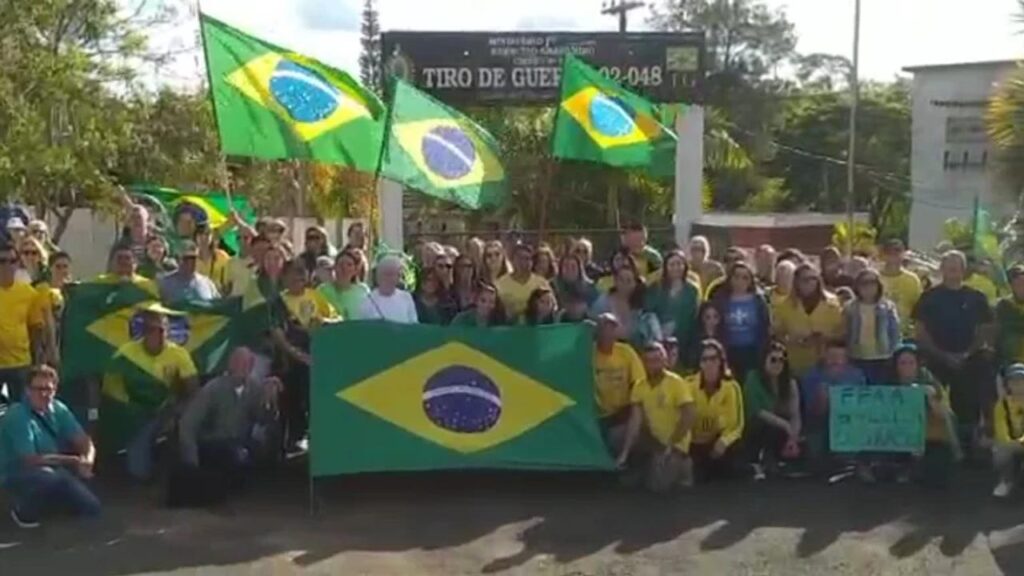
(562, 516)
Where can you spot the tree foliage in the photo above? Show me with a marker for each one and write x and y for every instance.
(370, 59)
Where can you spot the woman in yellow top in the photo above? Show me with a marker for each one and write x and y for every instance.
(1008, 425)
(807, 320)
(718, 401)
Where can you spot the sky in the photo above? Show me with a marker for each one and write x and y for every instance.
(894, 33)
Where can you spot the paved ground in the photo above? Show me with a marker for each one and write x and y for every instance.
(541, 524)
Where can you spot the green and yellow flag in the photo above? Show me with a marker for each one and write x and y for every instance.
(272, 103)
(440, 151)
(417, 397)
(215, 205)
(600, 121)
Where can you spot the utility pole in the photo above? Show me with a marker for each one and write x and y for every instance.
(851, 155)
(620, 8)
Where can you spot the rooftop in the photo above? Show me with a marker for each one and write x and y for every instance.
(775, 220)
(954, 65)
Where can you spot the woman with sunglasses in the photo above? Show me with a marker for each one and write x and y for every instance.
(718, 428)
(433, 305)
(316, 245)
(808, 320)
(573, 278)
(675, 299)
(619, 260)
(709, 326)
(772, 402)
(33, 261)
(464, 283)
(872, 327)
(212, 261)
(495, 263)
(747, 319)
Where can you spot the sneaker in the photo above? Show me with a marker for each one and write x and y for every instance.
(759, 474)
(21, 521)
(1003, 489)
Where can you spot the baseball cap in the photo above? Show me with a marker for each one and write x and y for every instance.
(607, 318)
(15, 224)
(1015, 371)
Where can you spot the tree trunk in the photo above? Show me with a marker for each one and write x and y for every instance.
(63, 215)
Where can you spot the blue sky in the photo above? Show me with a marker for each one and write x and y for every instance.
(895, 33)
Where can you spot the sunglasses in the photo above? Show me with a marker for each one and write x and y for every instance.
(314, 238)
(776, 359)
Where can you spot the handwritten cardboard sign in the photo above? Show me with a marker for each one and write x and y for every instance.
(876, 419)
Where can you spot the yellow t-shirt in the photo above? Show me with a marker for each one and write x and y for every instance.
(984, 285)
(615, 376)
(904, 289)
(937, 430)
(172, 365)
(720, 415)
(238, 273)
(309, 306)
(661, 404)
(216, 269)
(515, 295)
(793, 324)
(21, 307)
(1008, 420)
(652, 279)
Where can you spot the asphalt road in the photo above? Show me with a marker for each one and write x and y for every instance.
(536, 524)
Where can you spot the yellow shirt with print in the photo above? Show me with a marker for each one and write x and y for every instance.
(794, 325)
(172, 365)
(904, 289)
(1008, 420)
(616, 374)
(719, 415)
(514, 295)
(22, 308)
(309, 308)
(662, 404)
(216, 269)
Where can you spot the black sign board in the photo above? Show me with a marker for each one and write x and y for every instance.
(525, 67)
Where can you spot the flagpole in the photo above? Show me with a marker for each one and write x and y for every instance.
(228, 181)
(380, 182)
(851, 157)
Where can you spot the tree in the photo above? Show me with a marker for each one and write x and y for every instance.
(1005, 118)
(370, 60)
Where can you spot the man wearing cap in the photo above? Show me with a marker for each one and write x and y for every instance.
(185, 283)
(901, 286)
(617, 371)
(16, 230)
(176, 380)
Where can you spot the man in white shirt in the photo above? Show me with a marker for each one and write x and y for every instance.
(387, 301)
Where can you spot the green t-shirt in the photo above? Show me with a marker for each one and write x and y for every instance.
(22, 434)
(347, 302)
(757, 397)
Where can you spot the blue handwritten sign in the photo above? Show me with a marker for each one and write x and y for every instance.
(876, 419)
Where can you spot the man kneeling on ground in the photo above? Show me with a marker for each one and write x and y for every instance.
(659, 424)
(44, 454)
(231, 423)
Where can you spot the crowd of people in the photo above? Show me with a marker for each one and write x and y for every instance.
(703, 370)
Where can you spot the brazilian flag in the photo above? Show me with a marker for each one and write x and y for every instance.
(600, 121)
(212, 207)
(272, 103)
(440, 151)
(417, 397)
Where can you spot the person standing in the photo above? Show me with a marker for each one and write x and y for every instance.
(955, 329)
(675, 299)
(387, 301)
(487, 311)
(212, 262)
(700, 260)
(747, 319)
(186, 284)
(634, 239)
(348, 291)
(465, 282)
(872, 327)
(832, 273)
(156, 263)
(902, 286)
(541, 308)
(1010, 320)
(660, 421)
(515, 288)
(627, 301)
(22, 324)
(434, 305)
(808, 320)
(45, 456)
(764, 263)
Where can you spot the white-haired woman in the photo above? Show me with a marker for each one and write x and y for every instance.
(387, 301)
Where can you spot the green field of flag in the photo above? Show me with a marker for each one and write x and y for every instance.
(272, 103)
(418, 397)
(217, 206)
(600, 121)
(440, 151)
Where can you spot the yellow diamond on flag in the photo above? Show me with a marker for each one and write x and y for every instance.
(300, 92)
(124, 325)
(448, 152)
(609, 121)
(457, 397)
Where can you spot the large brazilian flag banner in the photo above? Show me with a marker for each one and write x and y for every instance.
(391, 397)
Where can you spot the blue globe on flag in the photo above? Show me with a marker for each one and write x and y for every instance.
(177, 330)
(304, 94)
(611, 116)
(462, 399)
(448, 152)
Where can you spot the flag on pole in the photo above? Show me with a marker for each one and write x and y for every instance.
(214, 206)
(600, 121)
(440, 151)
(985, 244)
(272, 103)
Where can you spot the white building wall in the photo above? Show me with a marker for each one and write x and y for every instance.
(952, 160)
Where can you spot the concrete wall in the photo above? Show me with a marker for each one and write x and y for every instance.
(952, 159)
(88, 239)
